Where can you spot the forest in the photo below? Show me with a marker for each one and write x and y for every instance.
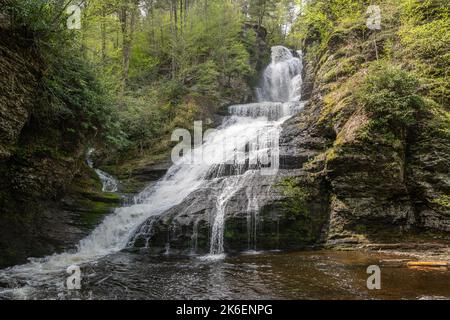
(151, 66)
(147, 66)
(352, 97)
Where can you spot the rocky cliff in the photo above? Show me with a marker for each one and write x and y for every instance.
(387, 178)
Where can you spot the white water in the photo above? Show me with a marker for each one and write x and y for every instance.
(228, 190)
(282, 79)
(279, 99)
(109, 183)
(257, 124)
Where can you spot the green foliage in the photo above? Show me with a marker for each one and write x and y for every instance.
(212, 51)
(71, 98)
(142, 121)
(443, 201)
(142, 61)
(36, 16)
(390, 94)
(72, 94)
(315, 25)
(322, 17)
(296, 204)
(425, 37)
(425, 10)
(207, 78)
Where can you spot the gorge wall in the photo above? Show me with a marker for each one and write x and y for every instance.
(385, 181)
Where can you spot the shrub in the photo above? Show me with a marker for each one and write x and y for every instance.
(424, 39)
(389, 94)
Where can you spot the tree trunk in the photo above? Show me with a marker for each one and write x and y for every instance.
(181, 17)
(128, 10)
(103, 31)
(174, 16)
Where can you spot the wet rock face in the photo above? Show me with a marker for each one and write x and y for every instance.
(302, 140)
(186, 228)
(38, 227)
(369, 187)
(428, 179)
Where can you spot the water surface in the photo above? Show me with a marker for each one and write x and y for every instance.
(269, 275)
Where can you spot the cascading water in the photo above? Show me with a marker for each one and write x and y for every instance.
(279, 99)
(228, 189)
(109, 183)
(248, 141)
(282, 79)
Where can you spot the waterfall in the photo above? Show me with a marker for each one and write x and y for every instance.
(252, 218)
(279, 98)
(229, 188)
(247, 143)
(281, 80)
(194, 238)
(109, 183)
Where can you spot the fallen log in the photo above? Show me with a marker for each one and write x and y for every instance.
(434, 264)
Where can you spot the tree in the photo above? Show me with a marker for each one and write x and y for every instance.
(128, 12)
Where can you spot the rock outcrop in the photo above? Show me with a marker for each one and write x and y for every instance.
(382, 187)
(264, 224)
